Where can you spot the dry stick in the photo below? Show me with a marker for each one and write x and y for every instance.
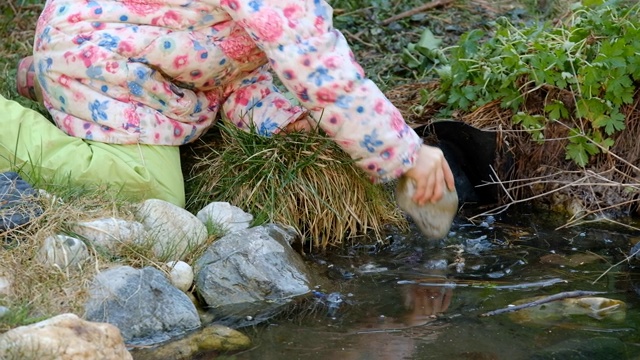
(616, 264)
(502, 208)
(416, 10)
(559, 296)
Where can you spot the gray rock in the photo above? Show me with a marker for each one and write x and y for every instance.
(16, 201)
(141, 303)
(230, 218)
(109, 232)
(247, 276)
(63, 251)
(173, 230)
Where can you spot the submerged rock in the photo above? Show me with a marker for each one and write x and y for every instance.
(214, 338)
(245, 277)
(64, 337)
(141, 303)
(599, 308)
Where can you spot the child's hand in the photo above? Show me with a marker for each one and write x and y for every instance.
(300, 125)
(430, 173)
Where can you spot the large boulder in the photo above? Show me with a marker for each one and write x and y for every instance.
(142, 303)
(64, 337)
(247, 276)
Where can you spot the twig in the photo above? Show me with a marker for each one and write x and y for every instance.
(536, 284)
(357, 37)
(559, 296)
(416, 10)
(616, 264)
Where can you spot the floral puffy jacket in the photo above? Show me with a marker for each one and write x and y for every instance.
(158, 71)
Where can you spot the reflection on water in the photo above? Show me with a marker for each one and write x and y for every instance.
(416, 301)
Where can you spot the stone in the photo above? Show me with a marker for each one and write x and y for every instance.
(433, 219)
(213, 338)
(173, 230)
(109, 232)
(230, 218)
(180, 274)
(63, 251)
(16, 201)
(141, 303)
(64, 337)
(251, 273)
(5, 281)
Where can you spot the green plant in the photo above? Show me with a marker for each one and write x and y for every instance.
(299, 179)
(593, 56)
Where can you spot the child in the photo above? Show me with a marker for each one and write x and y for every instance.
(129, 80)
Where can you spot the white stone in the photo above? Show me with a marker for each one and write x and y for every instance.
(180, 274)
(5, 281)
(109, 232)
(64, 337)
(230, 218)
(5, 286)
(173, 230)
(63, 251)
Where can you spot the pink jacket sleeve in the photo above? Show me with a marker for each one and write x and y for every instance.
(254, 101)
(314, 61)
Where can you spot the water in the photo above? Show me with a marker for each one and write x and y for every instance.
(412, 300)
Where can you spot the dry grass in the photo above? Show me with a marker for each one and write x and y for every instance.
(39, 290)
(301, 180)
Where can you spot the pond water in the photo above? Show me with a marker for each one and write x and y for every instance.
(416, 300)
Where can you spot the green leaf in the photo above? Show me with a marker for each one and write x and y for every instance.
(577, 153)
(428, 41)
(556, 110)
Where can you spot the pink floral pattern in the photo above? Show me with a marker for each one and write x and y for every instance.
(145, 71)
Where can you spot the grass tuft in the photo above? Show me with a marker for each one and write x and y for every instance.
(300, 179)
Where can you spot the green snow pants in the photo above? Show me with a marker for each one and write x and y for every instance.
(29, 141)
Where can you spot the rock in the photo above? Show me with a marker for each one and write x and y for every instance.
(173, 230)
(141, 303)
(574, 309)
(230, 218)
(251, 273)
(180, 274)
(109, 232)
(212, 338)
(5, 281)
(16, 207)
(63, 251)
(64, 337)
(433, 219)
